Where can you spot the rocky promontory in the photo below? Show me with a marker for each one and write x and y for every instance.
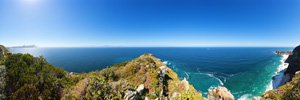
(283, 52)
(294, 62)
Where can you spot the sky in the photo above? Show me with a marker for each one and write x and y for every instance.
(150, 23)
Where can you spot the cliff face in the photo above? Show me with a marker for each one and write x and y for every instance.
(291, 90)
(294, 62)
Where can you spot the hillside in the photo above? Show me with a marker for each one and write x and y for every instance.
(23, 76)
(143, 77)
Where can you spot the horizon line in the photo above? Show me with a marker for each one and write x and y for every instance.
(152, 46)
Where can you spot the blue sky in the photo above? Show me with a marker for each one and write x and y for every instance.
(148, 23)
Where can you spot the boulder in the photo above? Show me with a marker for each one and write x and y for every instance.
(255, 98)
(131, 95)
(162, 73)
(140, 89)
(219, 93)
(185, 84)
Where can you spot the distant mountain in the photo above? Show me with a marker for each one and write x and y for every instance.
(24, 46)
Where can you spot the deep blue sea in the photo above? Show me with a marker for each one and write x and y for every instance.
(245, 71)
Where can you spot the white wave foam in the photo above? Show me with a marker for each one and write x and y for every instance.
(211, 75)
(165, 62)
(280, 78)
(245, 97)
(187, 75)
(283, 66)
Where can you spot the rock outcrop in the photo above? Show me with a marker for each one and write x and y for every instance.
(185, 84)
(219, 93)
(140, 89)
(294, 62)
(283, 52)
(162, 73)
(131, 95)
(289, 91)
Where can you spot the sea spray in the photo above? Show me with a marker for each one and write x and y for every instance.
(280, 78)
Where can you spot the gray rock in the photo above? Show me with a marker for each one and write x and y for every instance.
(154, 65)
(131, 95)
(140, 89)
(219, 93)
(162, 73)
(174, 95)
(294, 62)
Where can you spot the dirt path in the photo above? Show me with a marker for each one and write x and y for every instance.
(80, 87)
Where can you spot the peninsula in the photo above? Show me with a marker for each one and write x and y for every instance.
(23, 46)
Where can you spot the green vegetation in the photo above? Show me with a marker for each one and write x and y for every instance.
(34, 78)
(3, 54)
(289, 91)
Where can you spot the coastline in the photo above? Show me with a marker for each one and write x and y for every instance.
(280, 79)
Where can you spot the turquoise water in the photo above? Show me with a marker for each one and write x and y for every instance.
(246, 72)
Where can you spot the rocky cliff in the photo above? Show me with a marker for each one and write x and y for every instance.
(219, 93)
(294, 62)
(291, 90)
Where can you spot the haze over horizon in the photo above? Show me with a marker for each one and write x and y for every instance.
(150, 23)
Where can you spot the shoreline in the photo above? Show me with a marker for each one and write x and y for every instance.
(279, 79)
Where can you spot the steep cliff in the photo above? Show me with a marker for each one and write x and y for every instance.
(294, 62)
(291, 90)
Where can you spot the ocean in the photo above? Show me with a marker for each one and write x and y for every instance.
(245, 71)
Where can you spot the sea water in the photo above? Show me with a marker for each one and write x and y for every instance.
(245, 71)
